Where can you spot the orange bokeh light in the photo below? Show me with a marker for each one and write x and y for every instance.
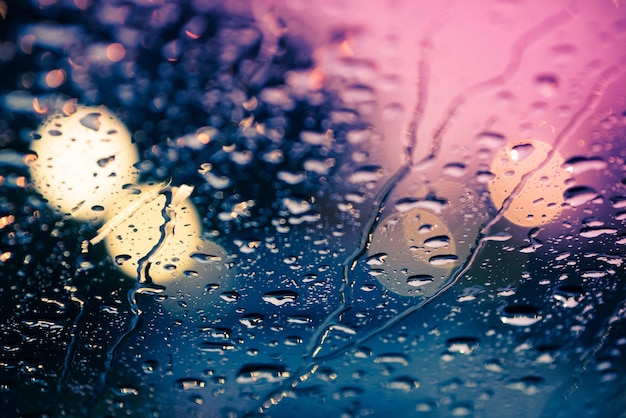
(541, 198)
(55, 78)
(115, 52)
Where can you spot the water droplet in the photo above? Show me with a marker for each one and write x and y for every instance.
(299, 319)
(461, 410)
(483, 177)
(490, 140)
(426, 406)
(528, 385)
(455, 169)
(280, 297)
(520, 315)
(189, 384)
(215, 347)
(403, 383)
(150, 366)
(462, 345)
(547, 84)
(343, 328)
(494, 365)
(579, 195)
(377, 259)
(103, 162)
(357, 136)
(211, 287)
(290, 177)
(419, 280)
(470, 293)
(293, 340)
(122, 258)
(346, 392)
(430, 203)
(230, 296)
(125, 391)
(252, 320)
(254, 373)
(206, 258)
(366, 174)
(522, 151)
(437, 241)
(195, 28)
(91, 121)
(443, 260)
(507, 291)
(578, 165)
(296, 206)
(569, 295)
(596, 232)
(368, 287)
(392, 358)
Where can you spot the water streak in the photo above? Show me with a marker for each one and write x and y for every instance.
(312, 359)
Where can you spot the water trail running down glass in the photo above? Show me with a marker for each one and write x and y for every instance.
(72, 348)
(311, 359)
(143, 284)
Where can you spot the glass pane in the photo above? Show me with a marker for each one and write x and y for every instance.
(335, 209)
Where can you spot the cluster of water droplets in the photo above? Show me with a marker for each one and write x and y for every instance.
(332, 250)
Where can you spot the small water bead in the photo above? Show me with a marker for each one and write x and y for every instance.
(522, 151)
(215, 347)
(547, 84)
(520, 315)
(299, 319)
(376, 259)
(252, 320)
(455, 169)
(529, 385)
(392, 358)
(230, 296)
(462, 345)
(426, 406)
(403, 383)
(490, 140)
(366, 174)
(262, 372)
(280, 297)
(568, 295)
(189, 384)
(125, 391)
(206, 258)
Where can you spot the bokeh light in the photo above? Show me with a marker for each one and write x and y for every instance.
(540, 200)
(82, 160)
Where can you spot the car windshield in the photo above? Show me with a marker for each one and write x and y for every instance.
(290, 208)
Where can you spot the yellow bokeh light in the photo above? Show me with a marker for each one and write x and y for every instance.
(145, 234)
(419, 242)
(415, 250)
(85, 168)
(82, 160)
(541, 198)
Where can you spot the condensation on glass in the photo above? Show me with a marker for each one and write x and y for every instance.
(276, 208)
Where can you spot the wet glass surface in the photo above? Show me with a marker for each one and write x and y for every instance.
(276, 209)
